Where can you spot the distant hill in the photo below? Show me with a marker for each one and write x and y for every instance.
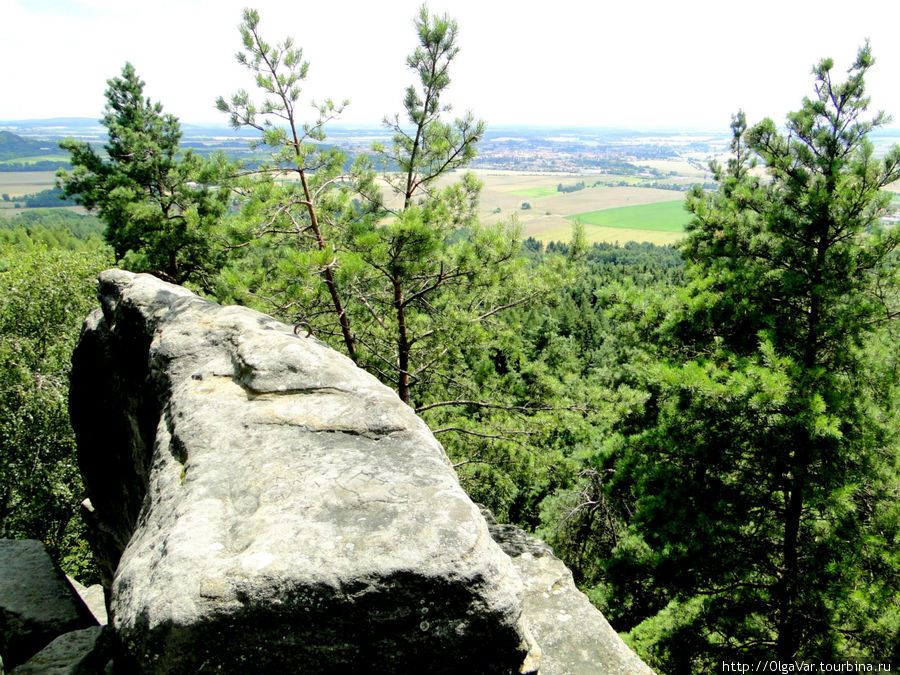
(13, 146)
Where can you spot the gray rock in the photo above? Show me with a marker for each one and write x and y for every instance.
(81, 652)
(574, 636)
(36, 602)
(261, 502)
(93, 598)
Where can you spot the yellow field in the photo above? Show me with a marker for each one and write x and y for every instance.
(682, 166)
(18, 183)
(609, 235)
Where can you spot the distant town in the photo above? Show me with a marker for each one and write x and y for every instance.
(518, 148)
(545, 177)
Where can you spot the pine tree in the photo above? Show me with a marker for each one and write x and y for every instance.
(761, 474)
(430, 274)
(300, 213)
(160, 205)
(424, 146)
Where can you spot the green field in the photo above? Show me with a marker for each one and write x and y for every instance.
(659, 217)
(536, 192)
(36, 158)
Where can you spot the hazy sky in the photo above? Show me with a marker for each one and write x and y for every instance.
(641, 63)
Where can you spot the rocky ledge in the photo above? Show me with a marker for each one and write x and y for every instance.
(258, 502)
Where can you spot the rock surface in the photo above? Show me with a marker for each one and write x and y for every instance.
(36, 602)
(574, 636)
(93, 598)
(80, 652)
(258, 501)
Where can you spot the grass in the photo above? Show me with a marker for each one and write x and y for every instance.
(536, 192)
(658, 217)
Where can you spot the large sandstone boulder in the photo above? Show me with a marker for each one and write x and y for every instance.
(81, 652)
(574, 636)
(37, 604)
(262, 505)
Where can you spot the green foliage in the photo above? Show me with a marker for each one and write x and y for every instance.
(44, 295)
(564, 362)
(44, 198)
(425, 290)
(429, 296)
(160, 205)
(400, 287)
(53, 228)
(571, 188)
(278, 70)
(742, 507)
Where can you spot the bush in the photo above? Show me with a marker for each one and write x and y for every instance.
(44, 295)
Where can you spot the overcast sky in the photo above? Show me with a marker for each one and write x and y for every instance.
(639, 64)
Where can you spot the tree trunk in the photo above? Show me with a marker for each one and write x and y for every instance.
(402, 344)
(789, 614)
(788, 639)
(349, 342)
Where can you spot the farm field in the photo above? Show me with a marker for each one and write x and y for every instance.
(35, 159)
(661, 224)
(682, 167)
(550, 212)
(18, 183)
(659, 217)
(595, 234)
(503, 196)
(535, 192)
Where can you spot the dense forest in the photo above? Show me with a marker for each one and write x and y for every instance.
(708, 434)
